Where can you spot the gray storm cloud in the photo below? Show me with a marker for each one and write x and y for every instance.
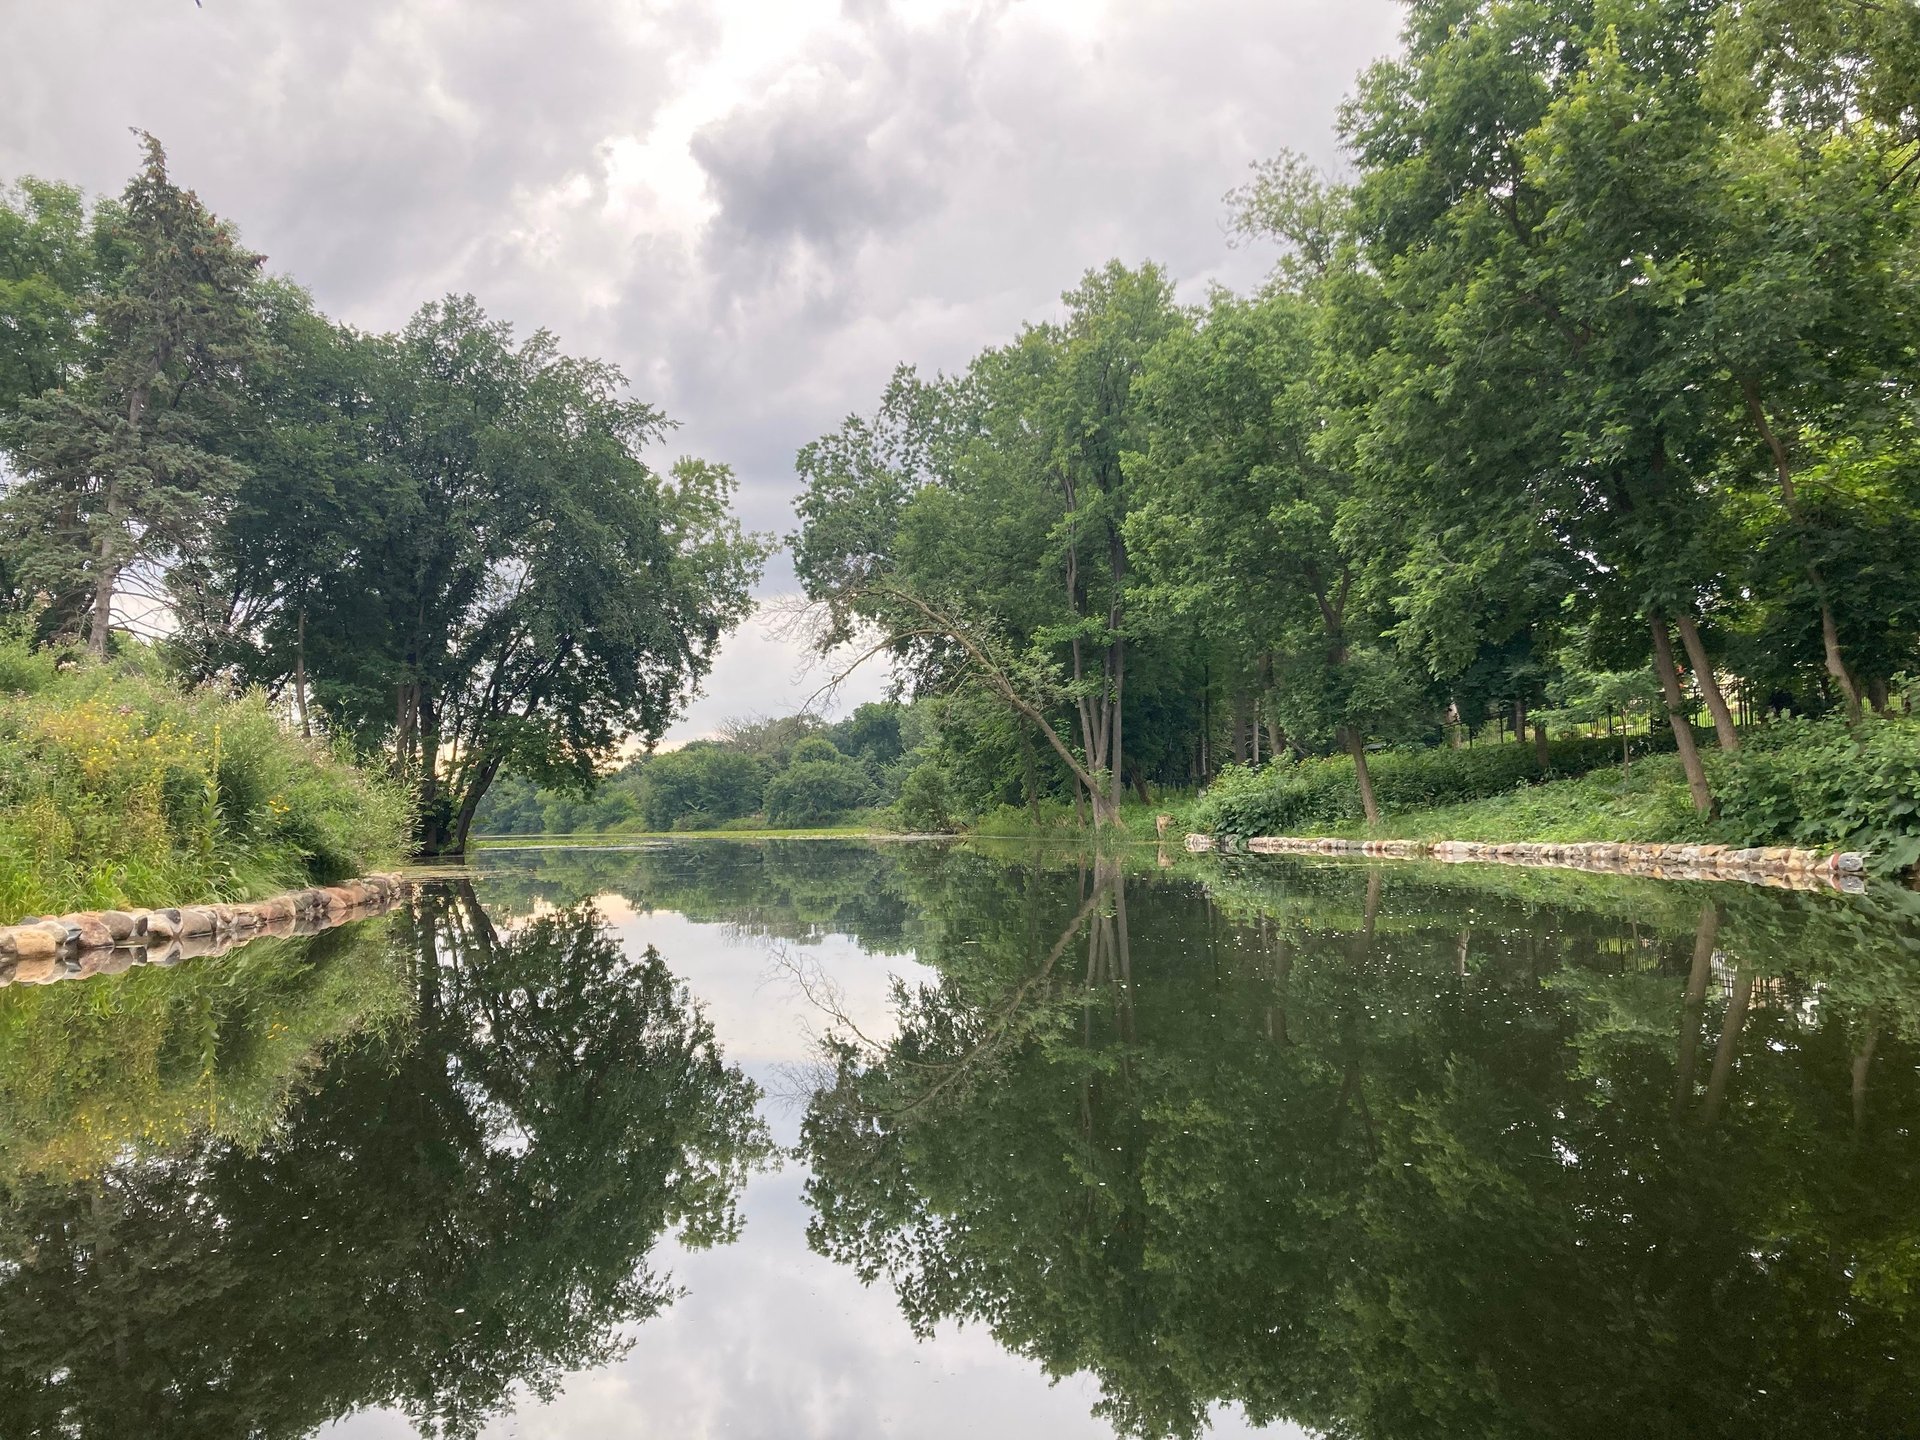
(757, 210)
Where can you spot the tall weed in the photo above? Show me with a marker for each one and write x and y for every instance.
(118, 788)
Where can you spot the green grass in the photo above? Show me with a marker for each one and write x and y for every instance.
(120, 789)
(1651, 806)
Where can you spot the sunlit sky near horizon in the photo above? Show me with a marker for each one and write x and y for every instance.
(756, 209)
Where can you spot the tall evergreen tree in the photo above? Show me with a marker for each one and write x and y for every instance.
(116, 472)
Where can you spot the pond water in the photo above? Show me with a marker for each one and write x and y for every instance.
(826, 1138)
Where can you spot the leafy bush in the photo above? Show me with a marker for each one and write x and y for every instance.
(1819, 783)
(699, 786)
(926, 803)
(118, 788)
(816, 792)
(1305, 796)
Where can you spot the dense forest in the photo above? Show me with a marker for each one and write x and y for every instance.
(1588, 396)
(439, 549)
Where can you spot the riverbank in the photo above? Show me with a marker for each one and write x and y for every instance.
(105, 942)
(1648, 806)
(1782, 867)
(1821, 785)
(119, 790)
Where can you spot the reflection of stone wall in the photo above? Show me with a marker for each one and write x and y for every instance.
(1776, 866)
(105, 942)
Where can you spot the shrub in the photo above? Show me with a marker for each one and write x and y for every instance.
(1299, 797)
(926, 803)
(698, 787)
(1823, 784)
(816, 792)
(118, 788)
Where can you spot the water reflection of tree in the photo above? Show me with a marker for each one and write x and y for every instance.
(1396, 1159)
(432, 1228)
(140, 1062)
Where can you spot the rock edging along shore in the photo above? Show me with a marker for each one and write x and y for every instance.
(1776, 866)
(103, 942)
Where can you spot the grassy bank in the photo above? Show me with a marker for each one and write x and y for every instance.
(117, 788)
(1650, 805)
(1814, 783)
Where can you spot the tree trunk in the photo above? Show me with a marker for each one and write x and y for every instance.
(1115, 726)
(1789, 501)
(1705, 934)
(1677, 714)
(1105, 811)
(300, 673)
(477, 788)
(1542, 751)
(1030, 776)
(1357, 748)
(1878, 695)
(106, 577)
(1723, 1055)
(102, 608)
(1723, 727)
(435, 833)
(1836, 665)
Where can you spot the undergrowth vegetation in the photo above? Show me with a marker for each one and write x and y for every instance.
(118, 788)
(1321, 795)
(1823, 784)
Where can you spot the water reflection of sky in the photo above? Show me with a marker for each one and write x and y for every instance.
(771, 1340)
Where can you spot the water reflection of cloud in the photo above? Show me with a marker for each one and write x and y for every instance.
(771, 1341)
(754, 1002)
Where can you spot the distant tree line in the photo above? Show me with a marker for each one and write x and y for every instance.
(1590, 394)
(792, 771)
(440, 546)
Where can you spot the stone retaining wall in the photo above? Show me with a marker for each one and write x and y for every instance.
(104, 942)
(1776, 866)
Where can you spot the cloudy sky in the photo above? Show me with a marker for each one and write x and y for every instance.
(756, 207)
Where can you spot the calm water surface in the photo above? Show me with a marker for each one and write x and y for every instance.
(831, 1139)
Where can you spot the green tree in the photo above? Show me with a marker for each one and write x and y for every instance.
(115, 472)
(701, 782)
(504, 582)
(50, 252)
(978, 525)
(1241, 522)
(818, 787)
